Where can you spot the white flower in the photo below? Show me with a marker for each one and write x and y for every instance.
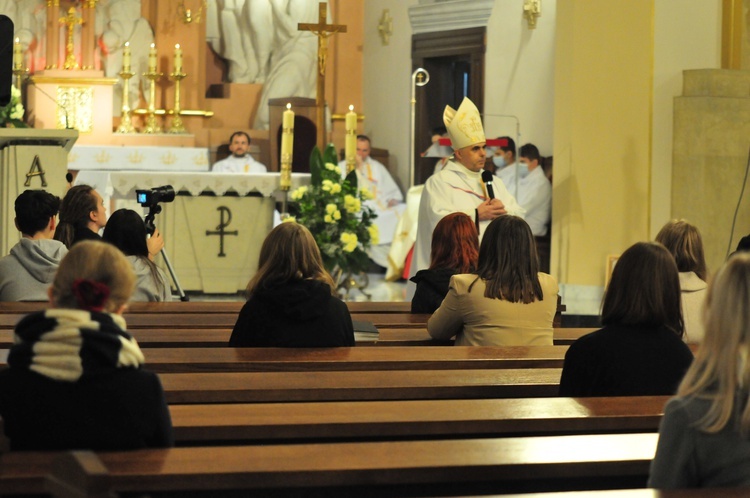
(17, 112)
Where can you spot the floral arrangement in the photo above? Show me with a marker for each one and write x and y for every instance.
(333, 209)
(11, 116)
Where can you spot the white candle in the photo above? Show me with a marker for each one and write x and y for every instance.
(287, 133)
(177, 59)
(17, 54)
(126, 58)
(350, 144)
(152, 58)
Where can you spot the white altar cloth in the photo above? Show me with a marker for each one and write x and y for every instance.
(140, 158)
(121, 184)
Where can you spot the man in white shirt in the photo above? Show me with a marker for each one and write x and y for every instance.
(527, 182)
(387, 202)
(504, 155)
(458, 187)
(240, 161)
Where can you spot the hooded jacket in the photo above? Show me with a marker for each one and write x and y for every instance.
(295, 314)
(432, 286)
(27, 272)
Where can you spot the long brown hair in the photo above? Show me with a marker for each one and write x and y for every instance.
(75, 209)
(720, 368)
(455, 244)
(684, 241)
(289, 253)
(644, 289)
(508, 262)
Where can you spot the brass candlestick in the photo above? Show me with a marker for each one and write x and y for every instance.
(151, 125)
(177, 126)
(19, 72)
(126, 120)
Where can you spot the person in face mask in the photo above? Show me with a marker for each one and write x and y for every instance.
(502, 156)
(527, 182)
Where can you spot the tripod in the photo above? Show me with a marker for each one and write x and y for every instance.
(153, 210)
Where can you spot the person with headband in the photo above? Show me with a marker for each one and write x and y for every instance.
(458, 187)
(75, 378)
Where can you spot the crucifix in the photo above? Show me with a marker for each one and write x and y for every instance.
(322, 30)
(70, 21)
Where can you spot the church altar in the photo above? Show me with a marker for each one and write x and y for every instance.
(143, 158)
(214, 228)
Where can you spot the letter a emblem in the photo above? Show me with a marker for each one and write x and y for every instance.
(35, 170)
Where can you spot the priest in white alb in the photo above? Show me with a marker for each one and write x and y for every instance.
(458, 187)
(387, 201)
(240, 161)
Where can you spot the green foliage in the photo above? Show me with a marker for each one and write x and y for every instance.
(11, 116)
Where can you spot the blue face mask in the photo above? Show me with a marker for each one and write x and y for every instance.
(523, 170)
(499, 161)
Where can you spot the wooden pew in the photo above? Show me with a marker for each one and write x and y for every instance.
(218, 337)
(404, 468)
(642, 493)
(267, 387)
(186, 360)
(378, 420)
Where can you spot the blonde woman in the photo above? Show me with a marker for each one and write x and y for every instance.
(74, 379)
(291, 299)
(703, 438)
(684, 242)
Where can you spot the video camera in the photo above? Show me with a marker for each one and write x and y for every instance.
(154, 196)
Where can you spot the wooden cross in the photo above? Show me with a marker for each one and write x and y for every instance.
(322, 30)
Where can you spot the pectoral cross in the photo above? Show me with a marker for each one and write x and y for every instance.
(322, 30)
(70, 21)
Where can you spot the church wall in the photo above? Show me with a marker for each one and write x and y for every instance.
(683, 39)
(602, 131)
(519, 69)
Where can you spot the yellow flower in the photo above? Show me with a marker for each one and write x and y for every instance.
(374, 234)
(297, 194)
(336, 215)
(331, 208)
(335, 188)
(327, 185)
(328, 219)
(333, 167)
(352, 204)
(365, 193)
(289, 219)
(349, 240)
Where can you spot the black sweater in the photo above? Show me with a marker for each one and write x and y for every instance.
(432, 287)
(296, 314)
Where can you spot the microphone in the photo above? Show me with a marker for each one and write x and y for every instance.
(57, 102)
(487, 179)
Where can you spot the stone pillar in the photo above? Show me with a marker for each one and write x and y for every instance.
(53, 35)
(710, 154)
(88, 13)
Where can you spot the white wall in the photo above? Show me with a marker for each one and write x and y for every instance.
(685, 37)
(519, 66)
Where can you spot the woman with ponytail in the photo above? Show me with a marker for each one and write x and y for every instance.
(704, 438)
(82, 215)
(74, 379)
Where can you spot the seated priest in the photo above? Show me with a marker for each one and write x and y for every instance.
(240, 161)
(387, 201)
(528, 183)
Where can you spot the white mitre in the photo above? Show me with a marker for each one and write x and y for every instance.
(464, 125)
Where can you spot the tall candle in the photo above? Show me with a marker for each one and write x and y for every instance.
(152, 58)
(17, 54)
(350, 145)
(126, 58)
(287, 135)
(177, 59)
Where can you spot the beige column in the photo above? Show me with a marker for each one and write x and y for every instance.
(53, 34)
(603, 60)
(88, 13)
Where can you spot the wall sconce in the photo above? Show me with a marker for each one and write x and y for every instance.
(385, 28)
(531, 10)
(188, 15)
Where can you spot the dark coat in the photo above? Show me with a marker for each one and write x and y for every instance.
(82, 232)
(120, 410)
(622, 360)
(432, 287)
(296, 314)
